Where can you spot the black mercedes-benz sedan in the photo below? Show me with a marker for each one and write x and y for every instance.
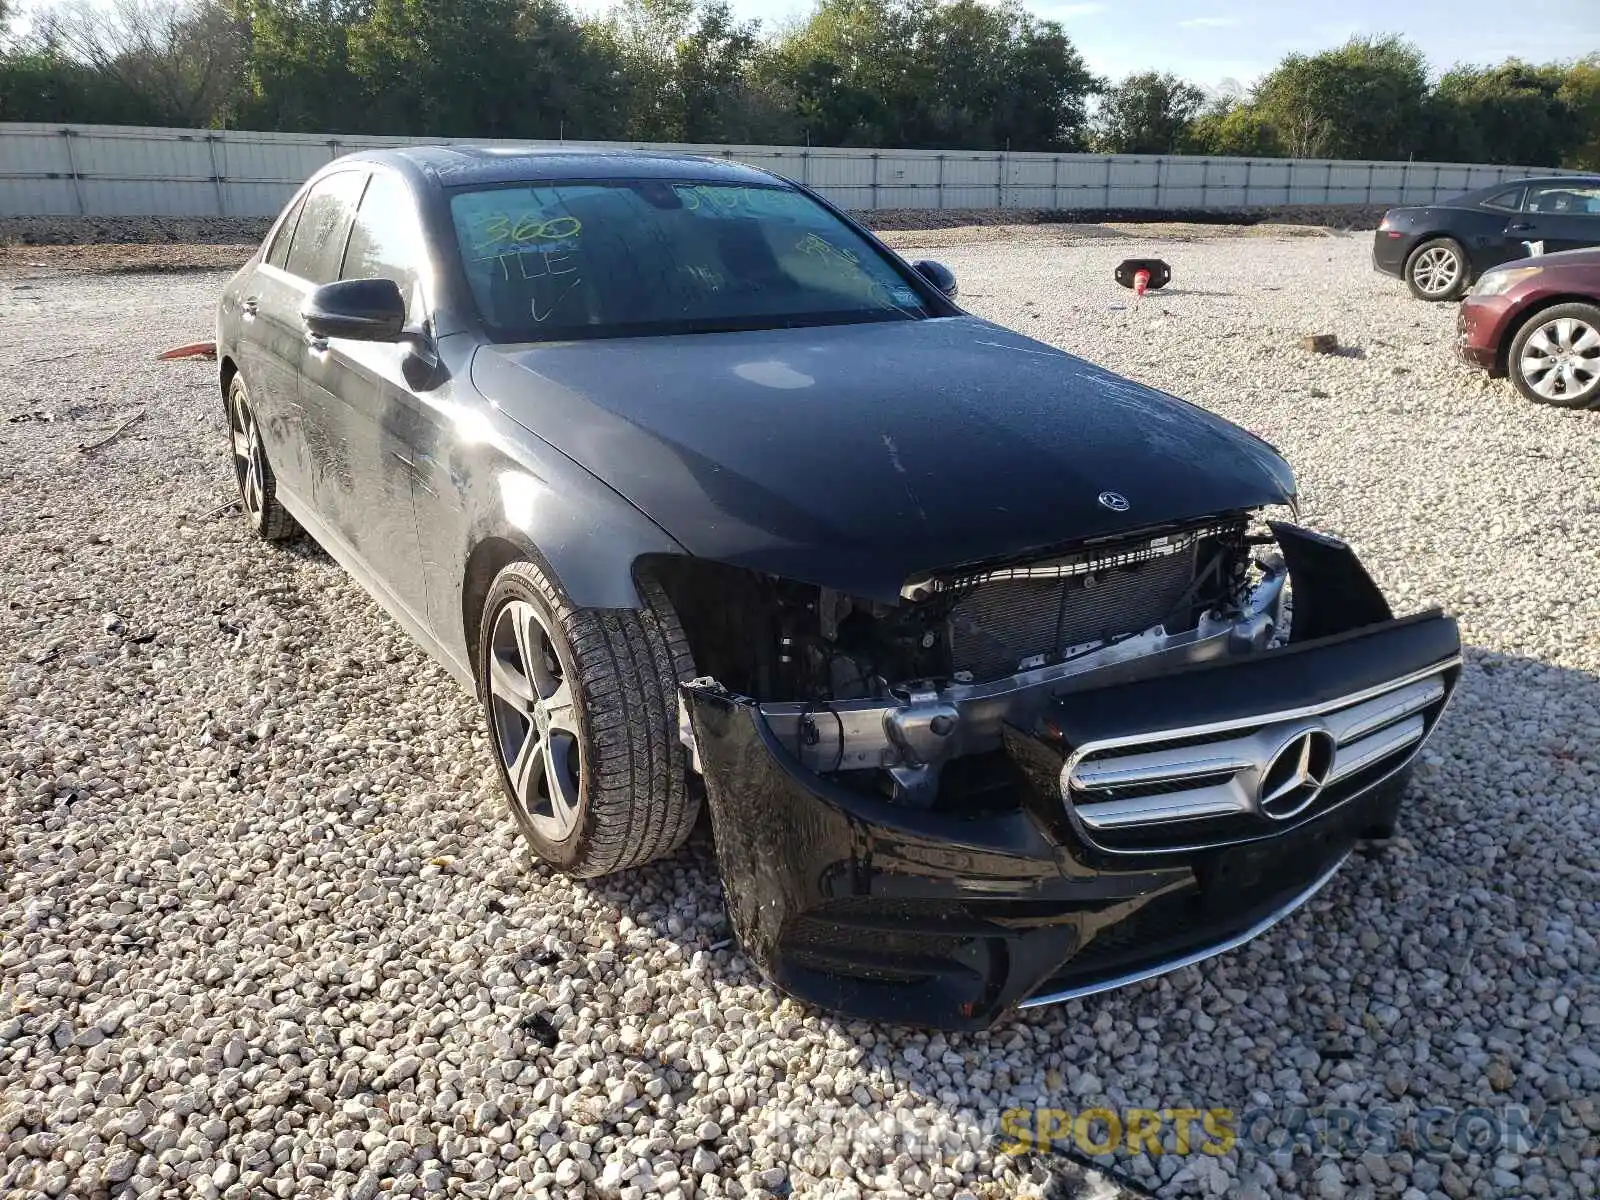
(1004, 679)
(1440, 249)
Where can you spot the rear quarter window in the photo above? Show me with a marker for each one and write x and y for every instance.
(278, 252)
(1509, 200)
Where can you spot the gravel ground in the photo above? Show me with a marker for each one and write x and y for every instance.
(268, 932)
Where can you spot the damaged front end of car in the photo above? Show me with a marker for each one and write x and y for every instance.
(1036, 779)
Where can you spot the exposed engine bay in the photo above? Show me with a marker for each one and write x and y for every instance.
(886, 695)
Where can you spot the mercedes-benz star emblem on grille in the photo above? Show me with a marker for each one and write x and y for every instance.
(1115, 501)
(1296, 774)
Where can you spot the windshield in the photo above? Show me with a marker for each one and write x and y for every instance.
(617, 259)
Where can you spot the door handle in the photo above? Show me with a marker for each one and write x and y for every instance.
(249, 306)
(316, 343)
(1520, 227)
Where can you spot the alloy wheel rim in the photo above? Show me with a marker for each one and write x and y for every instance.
(535, 722)
(1437, 270)
(248, 461)
(1561, 361)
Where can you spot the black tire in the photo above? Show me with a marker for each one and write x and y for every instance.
(1426, 265)
(1585, 323)
(628, 799)
(258, 488)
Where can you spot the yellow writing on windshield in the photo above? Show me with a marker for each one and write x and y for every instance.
(501, 229)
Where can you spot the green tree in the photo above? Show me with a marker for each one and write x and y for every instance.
(38, 82)
(1004, 80)
(1366, 99)
(171, 62)
(439, 69)
(930, 74)
(1231, 128)
(924, 74)
(1147, 113)
(1580, 92)
(852, 70)
(1511, 113)
(479, 68)
(686, 69)
(297, 69)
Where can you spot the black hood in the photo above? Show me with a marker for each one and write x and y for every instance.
(855, 456)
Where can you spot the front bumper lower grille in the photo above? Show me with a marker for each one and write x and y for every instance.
(1160, 938)
(1183, 789)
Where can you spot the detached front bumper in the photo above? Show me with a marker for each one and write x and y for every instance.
(1142, 823)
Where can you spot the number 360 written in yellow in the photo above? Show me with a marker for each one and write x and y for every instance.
(530, 228)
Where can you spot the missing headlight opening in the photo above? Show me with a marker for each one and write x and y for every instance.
(909, 701)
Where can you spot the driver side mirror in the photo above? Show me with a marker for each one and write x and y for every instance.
(367, 310)
(941, 276)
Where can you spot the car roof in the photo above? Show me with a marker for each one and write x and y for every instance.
(1478, 195)
(465, 165)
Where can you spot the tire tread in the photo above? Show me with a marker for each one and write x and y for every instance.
(275, 525)
(628, 664)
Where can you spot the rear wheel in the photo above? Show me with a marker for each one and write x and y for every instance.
(258, 489)
(1437, 270)
(582, 710)
(1555, 358)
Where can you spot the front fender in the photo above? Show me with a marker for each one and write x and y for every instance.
(587, 534)
(493, 484)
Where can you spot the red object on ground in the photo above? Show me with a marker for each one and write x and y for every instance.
(193, 350)
(1147, 274)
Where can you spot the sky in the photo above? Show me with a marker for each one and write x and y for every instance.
(1213, 41)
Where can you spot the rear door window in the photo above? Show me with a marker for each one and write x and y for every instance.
(325, 219)
(1565, 199)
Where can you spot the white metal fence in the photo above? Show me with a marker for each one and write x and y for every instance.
(128, 171)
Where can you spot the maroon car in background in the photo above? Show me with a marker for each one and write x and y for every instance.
(1538, 321)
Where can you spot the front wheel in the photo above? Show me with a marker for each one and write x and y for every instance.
(1555, 358)
(1437, 270)
(582, 709)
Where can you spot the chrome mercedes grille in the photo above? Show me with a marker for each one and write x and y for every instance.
(1177, 789)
